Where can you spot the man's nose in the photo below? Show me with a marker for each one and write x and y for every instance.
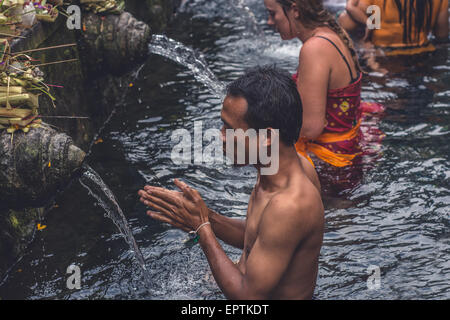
(270, 22)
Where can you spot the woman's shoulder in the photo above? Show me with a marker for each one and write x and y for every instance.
(321, 46)
(315, 46)
(314, 55)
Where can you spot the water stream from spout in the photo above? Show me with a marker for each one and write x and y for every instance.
(187, 57)
(97, 188)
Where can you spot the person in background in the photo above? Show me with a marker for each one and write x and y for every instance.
(351, 18)
(405, 24)
(329, 81)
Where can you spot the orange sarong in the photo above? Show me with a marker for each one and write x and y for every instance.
(303, 146)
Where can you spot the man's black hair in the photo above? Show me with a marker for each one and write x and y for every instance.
(273, 101)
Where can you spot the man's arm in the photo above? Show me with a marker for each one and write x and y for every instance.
(227, 229)
(231, 231)
(280, 232)
(284, 224)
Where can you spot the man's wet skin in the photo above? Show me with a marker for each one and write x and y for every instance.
(281, 236)
(297, 180)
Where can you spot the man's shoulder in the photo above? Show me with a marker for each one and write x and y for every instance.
(285, 220)
(298, 207)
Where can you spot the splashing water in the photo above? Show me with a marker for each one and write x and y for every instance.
(187, 57)
(249, 19)
(100, 191)
(241, 12)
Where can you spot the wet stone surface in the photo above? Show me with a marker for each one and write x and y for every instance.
(34, 165)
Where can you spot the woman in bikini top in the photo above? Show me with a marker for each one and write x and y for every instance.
(328, 80)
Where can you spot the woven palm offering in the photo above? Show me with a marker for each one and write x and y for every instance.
(11, 5)
(20, 85)
(11, 12)
(103, 6)
(45, 11)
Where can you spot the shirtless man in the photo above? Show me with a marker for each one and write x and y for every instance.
(282, 234)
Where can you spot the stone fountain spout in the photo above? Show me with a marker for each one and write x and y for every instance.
(35, 165)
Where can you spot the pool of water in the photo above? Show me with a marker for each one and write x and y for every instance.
(396, 217)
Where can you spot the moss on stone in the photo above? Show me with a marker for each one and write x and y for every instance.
(16, 232)
(23, 222)
(14, 221)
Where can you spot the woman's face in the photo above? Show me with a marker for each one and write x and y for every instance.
(279, 20)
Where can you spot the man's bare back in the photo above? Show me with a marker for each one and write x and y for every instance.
(299, 280)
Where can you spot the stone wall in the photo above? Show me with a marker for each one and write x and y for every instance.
(107, 49)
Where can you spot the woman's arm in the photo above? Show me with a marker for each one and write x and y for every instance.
(312, 83)
(357, 11)
(441, 26)
(347, 22)
(354, 15)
